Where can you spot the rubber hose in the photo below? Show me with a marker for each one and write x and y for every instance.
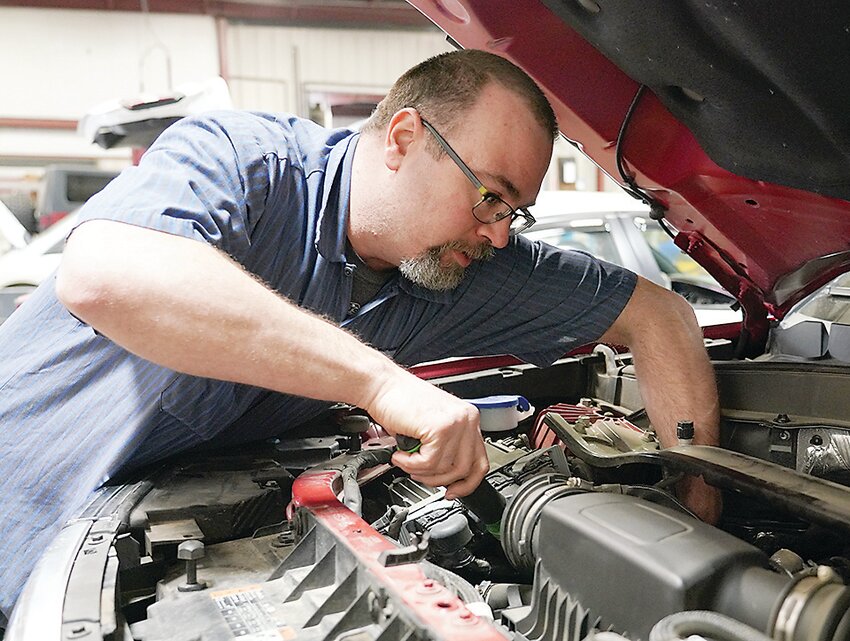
(394, 528)
(352, 498)
(681, 625)
(498, 595)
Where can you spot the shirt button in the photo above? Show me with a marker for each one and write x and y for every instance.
(353, 309)
(348, 270)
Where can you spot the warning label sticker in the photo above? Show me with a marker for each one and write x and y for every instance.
(250, 616)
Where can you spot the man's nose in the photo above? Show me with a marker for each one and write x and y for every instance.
(497, 233)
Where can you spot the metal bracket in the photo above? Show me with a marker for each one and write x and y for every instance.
(409, 554)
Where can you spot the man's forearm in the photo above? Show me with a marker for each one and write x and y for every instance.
(677, 384)
(186, 306)
(675, 377)
(674, 373)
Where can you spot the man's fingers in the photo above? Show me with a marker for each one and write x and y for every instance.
(451, 449)
(438, 480)
(433, 475)
(465, 486)
(459, 481)
(426, 461)
(454, 456)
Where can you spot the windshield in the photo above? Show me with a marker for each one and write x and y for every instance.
(670, 259)
(594, 239)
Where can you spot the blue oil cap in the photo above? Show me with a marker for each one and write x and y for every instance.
(503, 401)
(501, 413)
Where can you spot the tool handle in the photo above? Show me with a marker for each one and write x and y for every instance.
(408, 443)
(487, 504)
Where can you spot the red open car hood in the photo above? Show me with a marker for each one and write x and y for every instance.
(754, 167)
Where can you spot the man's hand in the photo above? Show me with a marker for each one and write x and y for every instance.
(699, 497)
(452, 452)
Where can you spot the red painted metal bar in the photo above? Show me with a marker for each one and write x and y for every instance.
(430, 604)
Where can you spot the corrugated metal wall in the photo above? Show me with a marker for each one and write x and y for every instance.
(277, 68)
(60, 63)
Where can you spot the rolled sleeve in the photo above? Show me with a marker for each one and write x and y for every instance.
(585, 296)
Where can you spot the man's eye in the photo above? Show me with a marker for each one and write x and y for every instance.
(492, 199)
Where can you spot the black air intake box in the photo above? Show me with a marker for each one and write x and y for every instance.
(632, 562)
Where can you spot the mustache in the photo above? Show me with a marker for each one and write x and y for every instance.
(480, 251)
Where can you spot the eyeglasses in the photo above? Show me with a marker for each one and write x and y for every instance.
(491, 208)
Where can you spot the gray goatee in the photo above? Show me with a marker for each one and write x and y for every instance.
(425, 270)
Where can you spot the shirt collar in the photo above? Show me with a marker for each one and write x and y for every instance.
(336, 192)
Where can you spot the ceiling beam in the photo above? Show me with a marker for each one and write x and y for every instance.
(38, 123)
(359, 13)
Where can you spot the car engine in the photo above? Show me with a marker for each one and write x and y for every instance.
(577, 532)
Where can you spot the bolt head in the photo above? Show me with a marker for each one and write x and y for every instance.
(190, 550)
(192, 587)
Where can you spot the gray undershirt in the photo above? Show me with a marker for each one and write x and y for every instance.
(366, 282)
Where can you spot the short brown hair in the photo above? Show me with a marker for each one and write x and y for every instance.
(446, 85)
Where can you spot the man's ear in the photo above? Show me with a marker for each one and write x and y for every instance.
(401, 132)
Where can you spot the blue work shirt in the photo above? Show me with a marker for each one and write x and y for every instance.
(272, 192)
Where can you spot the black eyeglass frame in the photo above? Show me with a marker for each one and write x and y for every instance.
(486, 195)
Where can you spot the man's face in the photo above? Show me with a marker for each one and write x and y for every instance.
(508, 152)
(434, 269)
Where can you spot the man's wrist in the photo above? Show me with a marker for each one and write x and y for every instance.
(379, 375)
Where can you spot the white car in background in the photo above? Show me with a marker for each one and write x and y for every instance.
(24, 267)
(13, 239)
(617, 228)
(13, 235)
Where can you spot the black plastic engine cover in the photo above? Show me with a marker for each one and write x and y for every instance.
(632, 562)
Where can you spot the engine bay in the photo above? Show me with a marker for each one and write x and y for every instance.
(578, 533)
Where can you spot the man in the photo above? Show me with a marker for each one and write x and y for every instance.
(200, 299)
